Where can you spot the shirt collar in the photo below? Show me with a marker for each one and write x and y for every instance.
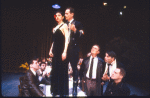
(71, 20)
(92, 57)
(113, 62)
(33, 72)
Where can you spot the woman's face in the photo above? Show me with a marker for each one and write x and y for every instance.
(58, 17)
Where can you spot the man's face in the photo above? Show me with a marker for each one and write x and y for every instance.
(43, 66)
(35, 65)
(116, 74)
(108, 59)
(68, 15)
(95, 50)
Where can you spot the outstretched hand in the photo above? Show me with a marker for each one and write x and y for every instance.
(51, 54)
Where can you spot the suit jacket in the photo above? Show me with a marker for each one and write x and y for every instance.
(120, 65)
(31, 85)
(120, 89)
(84, 69)
(75, 36)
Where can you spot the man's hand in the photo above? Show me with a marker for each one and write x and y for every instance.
(51, 54)
(102, 83)
(72, 27)
(105, 77)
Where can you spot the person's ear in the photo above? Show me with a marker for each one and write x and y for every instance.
(121, 76)
(98, 52)
(72, 14)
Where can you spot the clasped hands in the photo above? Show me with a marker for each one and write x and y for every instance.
(72, 27)
(64, 55)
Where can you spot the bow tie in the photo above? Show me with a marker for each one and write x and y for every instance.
(109, 64)
(67, 22)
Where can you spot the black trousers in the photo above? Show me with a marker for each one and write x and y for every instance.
(73, 58)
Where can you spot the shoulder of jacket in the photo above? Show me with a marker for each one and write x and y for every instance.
(100, 59)
(77, 22)
(86, 58)
(28, 72)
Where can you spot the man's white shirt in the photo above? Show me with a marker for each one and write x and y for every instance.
(95, 62)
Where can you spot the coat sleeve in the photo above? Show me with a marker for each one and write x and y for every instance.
(79, 31)
(45, 81)
(34, 90)
(25, 90)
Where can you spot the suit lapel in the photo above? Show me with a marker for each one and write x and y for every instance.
(99, 69)
(35, 77)
(73, 22)
(87, 64)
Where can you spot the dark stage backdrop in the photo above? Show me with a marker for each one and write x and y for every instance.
(27, 25)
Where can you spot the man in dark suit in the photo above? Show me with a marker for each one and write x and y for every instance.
(31, 82)
(92, 72)
(75, 32)
(117, 87)
(110, 65)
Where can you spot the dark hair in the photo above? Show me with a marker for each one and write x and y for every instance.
(122, 72)
(59, 11)
(31, 61)
(111, 54)
(71, 9)
(42, 63)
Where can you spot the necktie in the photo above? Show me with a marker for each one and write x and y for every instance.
(108, 70)
(91, 69)
(36, 76)
(67, 22)
(41, 74)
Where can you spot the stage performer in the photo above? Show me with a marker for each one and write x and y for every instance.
(75, 32)
(92, 71)
(58, 52)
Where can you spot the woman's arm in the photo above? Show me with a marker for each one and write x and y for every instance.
(66, 34)
(50, 52)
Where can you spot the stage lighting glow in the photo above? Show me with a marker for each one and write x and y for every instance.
(124, 7)
(120, 12)
(56, 6)
(105, 3)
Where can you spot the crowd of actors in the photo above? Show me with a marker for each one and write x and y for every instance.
(94, 71)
